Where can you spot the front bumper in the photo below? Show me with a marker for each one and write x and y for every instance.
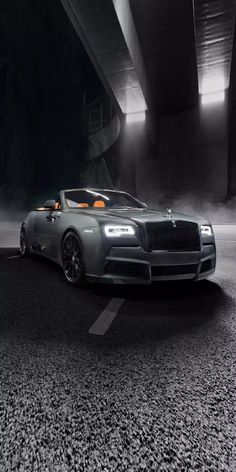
(134, 265)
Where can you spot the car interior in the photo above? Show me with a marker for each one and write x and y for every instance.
(95, 204)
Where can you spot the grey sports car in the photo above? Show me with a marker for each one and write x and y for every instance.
(110, 236)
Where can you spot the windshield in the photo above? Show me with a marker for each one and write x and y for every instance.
(103, 199)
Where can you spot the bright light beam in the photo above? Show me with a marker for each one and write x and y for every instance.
(213, 83)
(210, 98)
(136, 117)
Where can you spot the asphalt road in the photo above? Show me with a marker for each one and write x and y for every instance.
(117, 379)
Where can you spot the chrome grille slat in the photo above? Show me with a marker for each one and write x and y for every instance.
(173, 236)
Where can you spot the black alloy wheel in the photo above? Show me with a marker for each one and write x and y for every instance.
(72, 259)
(24, 248)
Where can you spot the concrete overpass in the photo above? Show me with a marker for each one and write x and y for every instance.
(166, 66)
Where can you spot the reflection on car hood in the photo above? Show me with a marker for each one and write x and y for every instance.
(144, 215)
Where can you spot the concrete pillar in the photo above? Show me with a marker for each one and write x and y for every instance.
(193, 152)
(214, 147)
(232, 124)
(138, 168)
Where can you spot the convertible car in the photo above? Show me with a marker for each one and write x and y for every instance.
(110, 236)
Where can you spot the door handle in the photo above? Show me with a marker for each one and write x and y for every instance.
(52, 217)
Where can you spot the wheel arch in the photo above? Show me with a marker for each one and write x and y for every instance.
(72, 229)
(91, 246)
(69, 230)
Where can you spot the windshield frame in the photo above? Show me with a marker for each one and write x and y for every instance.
(99, 192)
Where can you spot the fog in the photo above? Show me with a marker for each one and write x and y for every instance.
(10, 222)
(217, 212)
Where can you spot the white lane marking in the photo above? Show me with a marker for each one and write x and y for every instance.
(104, 321)
(13, 257)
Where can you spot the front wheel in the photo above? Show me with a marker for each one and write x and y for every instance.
(73, 264)
(24, 247)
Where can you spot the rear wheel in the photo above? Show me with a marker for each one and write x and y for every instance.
(24, 247)
(72, 259)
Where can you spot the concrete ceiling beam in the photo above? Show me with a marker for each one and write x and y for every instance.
(107, 31)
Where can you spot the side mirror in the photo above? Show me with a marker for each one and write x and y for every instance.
(50, 204)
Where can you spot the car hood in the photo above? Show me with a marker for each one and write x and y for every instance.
(144, 215)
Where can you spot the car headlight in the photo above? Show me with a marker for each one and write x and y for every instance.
(206, 230)
(119, 230)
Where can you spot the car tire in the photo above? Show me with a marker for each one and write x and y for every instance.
(24, 246)
(72, 257)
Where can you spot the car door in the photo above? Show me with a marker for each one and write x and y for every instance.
(46, 231)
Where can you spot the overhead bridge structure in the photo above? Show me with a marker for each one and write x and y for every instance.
(168, 68)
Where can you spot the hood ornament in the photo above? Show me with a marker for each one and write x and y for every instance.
(170, 215)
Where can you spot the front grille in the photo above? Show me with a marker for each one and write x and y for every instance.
(173, 236)
(174, 270)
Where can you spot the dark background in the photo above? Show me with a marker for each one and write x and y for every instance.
(45, 77)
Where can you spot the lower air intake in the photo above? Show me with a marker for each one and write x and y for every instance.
(174, 270)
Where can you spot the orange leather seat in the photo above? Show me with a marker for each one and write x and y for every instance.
(99, 204)
(57, 206)
(82, 205)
